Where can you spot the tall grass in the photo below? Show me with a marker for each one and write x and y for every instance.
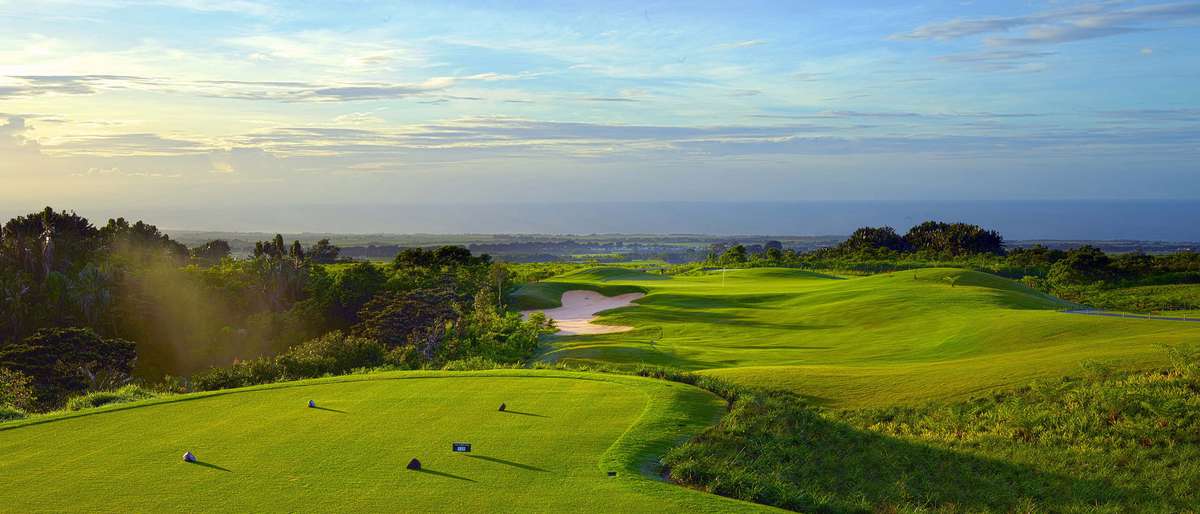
(128, 393)
(1104, 442)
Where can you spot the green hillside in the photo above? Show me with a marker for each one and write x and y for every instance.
(885, 339)
(263, 450)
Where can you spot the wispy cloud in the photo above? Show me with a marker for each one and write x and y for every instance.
(1087, 21)
(30, 86)
(1000, 60)
(749, 43)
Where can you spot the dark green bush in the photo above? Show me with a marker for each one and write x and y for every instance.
(331, 354)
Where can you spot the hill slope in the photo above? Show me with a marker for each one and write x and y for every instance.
(262, 450)
(907, 337)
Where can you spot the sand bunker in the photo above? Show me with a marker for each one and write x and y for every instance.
(579, 309)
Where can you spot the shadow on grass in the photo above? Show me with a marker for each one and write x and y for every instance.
(443, 474)
(212, 466)
(519, 413)
(508, 463)
(786, 455)
(328, 409)
(654, 315)
(613, 350)
(715, 301)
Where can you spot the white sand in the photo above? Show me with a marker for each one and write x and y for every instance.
(579, 310)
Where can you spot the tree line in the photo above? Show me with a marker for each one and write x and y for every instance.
(85, 308)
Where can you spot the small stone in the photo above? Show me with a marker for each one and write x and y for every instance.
(502, 407)
(414, 465)
(188, 457)
(311, 404)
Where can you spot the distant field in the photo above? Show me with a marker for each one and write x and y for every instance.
(902, 338)
(262, 450)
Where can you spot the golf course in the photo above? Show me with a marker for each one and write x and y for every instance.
(888, 339)
(566, 442)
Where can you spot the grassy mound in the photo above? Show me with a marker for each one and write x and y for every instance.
(1106, 442)
(262, 449)
(902, 338)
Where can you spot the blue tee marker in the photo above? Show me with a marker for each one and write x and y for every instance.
(188, 457)
(311, 404)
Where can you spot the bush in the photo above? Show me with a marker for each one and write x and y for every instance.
(10, 413)
(471, 364)
(333, 353)
(241, 374)
(16, 390)
(129, 393)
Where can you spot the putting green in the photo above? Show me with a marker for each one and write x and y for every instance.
(907, 337)
(263, 450)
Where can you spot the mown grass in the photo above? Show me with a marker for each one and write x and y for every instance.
(261, 449)
(1106, 442)
(548, 294)
(903, 338)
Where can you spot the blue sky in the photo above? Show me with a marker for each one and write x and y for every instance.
(144, 103)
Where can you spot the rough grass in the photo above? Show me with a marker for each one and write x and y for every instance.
(902, 338)
(1109, 442)
(262, 450)
(125, 394)
(1170, 300)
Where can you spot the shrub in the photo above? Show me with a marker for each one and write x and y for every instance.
(126, 394)
(16, 390)
(333, 353)
(10, 413)
(240, 374)
(471, 364)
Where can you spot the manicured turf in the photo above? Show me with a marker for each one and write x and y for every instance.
(907, 337)
(262, 450)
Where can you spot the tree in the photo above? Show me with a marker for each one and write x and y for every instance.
(59, 360)
(211, 252)
(276, 249)
(352, 288)
(1081, 266)
(140, 240)
(954, 239)
(1034, 256)
(323, 252)
(444, 256)
(49, 241)
(736, 254)
(296, 252)
(417, 318)
(870, 238)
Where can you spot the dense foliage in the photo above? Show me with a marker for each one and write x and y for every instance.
(179, 311)
(65, 361)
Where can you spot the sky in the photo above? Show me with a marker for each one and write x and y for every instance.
(234, 104)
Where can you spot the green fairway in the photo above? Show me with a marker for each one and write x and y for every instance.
(263, 450)
(907, 337)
